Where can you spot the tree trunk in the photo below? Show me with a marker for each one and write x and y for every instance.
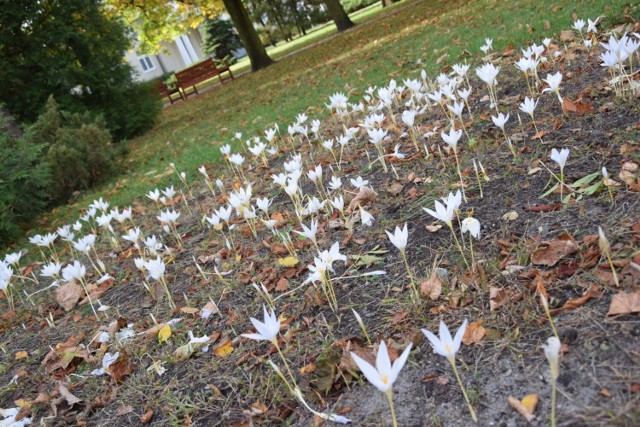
(338, 14)
(249, 36)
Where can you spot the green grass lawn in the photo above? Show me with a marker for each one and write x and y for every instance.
(395, 43)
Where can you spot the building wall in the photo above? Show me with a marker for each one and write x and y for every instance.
(175, 56)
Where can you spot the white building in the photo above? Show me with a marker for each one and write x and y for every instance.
(175, 56)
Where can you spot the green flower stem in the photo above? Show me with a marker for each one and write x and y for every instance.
(414, 288)
(464, 392)
(286, 365)
(464, 258)
(389, 394)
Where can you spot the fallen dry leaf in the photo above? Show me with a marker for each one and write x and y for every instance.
(525, 407)
(474, 333)
(224, 348)
(364, 196)
(498, 297)
(624, 303)
(551, 251)
(69, 294)
(431, 288)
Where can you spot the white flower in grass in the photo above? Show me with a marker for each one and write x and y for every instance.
(359, 183)
(560, 157)
(396, 152)
(399, 237)
(154, 195)
(75, 271)
(472, 226)
(327, 144)
(332, 255)
(546, 42)
(552, 353)
(500, 121)
(6, 272)
(168, 216)
(446, 345)
(442, 213)
(225, 150)
(309, 232)
(365, 217)
(315, 126)
(453, 200)
(155, 267)
(335, 183)
(51, 270)
(263, 204)
(384, 374)
(314, 205)
(257, 149)
(338, 203)
(318, 270)
(464, 93)
(457, 108)
(139, 262)
(409, 117)
(13, 258)
(153, 244)
(267, 330)
(553, 80)
(488, 73)
(529, 105)
(237, 159)
(104, 220)
(578, 25)
(376, 135)
(280, 179)
(452, 137)
(224, 213)
(77, 226)
(461, 69)
(133, 235)
(315, 174)
(592, 25)
(100, 204)
(169, 192)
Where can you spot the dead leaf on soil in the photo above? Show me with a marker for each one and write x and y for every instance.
(594, 291)
(498, 297)
(364, 196)
(526, 406)
(551, 251)
(69, 294)
(474, 333)
(431, 288)
(624, 303)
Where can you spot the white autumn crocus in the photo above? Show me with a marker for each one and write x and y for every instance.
(237, 159)
(472, 226)
(309, 232)
(133, 235)
(552, 353)
(452, 138)
(51, 269)
(448, 346)
(169, 192)
(500, 121)
(365, 217)
(384, 374)
(578, 25)
(553, 80)
(338, 203)
(155, 268)
(560, 157)
(13, 258)
(154, 195)
(442, 213)
(397, 154)
(592, 26)
(267, 330)
(263, 204)
(528, 106)
(332, 255)
(359, 183)
(335, 183)
(168, 216)
(488, 73)
(408, 117)
(225, 150)
(399, 237)
(75, 271)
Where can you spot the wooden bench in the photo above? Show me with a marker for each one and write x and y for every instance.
(205, 70)
(166, 91)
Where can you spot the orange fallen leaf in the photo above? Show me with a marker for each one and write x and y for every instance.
(224, 348)
(431, 288)
(474, 333)
(21, 355)
(624, 303)
(552, 251)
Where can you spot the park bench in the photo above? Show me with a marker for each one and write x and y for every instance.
(166, 91)
(198, 73)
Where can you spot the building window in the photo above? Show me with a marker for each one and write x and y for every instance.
(146, 64)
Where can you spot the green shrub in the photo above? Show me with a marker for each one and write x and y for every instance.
(24, 184)
(78, 149)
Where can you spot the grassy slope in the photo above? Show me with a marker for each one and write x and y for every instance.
(398, 44)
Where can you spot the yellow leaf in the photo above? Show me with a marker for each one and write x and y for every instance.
(223, 349)
(164, 333)
(529, 402)
(21, 402)
(238, 258)
(21, 355)
(289, 261)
